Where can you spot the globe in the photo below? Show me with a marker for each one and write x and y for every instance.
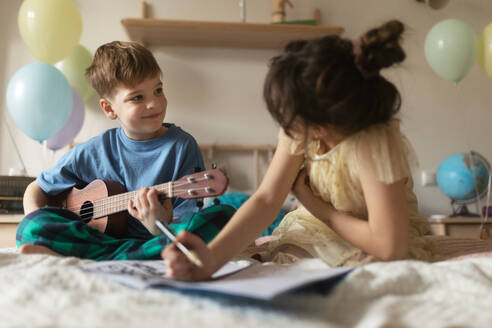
(463, 177)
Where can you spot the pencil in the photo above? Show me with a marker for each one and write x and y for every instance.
(170, 234)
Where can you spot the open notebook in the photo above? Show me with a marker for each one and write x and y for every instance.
(236, 278)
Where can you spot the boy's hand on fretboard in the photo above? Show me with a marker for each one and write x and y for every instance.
(147, 208)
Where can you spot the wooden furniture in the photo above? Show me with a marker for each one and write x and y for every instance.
(466, 227)
(8, 226)
(209, 150)
(218, 34)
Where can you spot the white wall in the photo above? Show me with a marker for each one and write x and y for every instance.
(213, 92)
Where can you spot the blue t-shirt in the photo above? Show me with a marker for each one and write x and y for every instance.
(134, 164)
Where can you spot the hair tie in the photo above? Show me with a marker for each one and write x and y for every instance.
(357, 49)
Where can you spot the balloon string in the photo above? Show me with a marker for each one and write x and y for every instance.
(15, 145)
(486, 215)
(471, 156)
(48, 155)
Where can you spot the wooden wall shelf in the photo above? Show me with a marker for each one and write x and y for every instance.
(220, 34)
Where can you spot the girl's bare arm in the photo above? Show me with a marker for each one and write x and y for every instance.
(385, 233)
(254, 216)
(260, 210)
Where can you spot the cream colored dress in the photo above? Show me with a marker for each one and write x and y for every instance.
(334, 177)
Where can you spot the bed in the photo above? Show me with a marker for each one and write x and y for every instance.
(47, 291)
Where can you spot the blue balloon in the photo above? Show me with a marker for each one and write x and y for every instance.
(39, 99)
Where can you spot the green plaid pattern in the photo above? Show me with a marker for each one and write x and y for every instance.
(63, 232)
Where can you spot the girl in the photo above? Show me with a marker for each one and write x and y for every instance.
(341, 152)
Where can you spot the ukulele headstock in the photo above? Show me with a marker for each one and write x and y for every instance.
(208, 183)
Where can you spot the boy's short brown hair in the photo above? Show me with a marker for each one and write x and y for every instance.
(118, 62)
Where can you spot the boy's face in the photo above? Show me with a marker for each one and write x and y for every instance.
(140, 109)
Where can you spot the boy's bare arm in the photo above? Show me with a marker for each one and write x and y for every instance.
(34, 198)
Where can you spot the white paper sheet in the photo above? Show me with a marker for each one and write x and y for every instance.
(236, 278)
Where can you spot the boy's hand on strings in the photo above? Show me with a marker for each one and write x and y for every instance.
(147, 208)
(177, 264)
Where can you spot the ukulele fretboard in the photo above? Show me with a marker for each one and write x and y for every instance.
(190, 187)
(119, 203)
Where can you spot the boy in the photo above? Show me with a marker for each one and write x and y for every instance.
(142, 152)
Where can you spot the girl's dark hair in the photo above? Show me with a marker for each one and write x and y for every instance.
(335, 81)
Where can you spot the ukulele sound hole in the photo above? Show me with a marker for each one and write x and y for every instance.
(87, 211)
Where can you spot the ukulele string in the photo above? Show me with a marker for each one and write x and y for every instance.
(87, 213)
(174, 185)
(119, 202)
(87, 216)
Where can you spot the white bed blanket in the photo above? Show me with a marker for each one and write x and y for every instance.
(46, 291)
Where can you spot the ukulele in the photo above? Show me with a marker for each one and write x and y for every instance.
(103, 204)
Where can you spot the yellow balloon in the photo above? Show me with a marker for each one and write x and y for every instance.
(73, 67)
(485, 50)
(50, 28)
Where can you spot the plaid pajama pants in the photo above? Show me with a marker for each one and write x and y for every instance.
(62, 231)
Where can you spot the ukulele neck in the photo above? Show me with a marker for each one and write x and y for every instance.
(119, 203)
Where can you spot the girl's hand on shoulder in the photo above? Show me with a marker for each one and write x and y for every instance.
(147, 208)
(179, 266)
(301, 189)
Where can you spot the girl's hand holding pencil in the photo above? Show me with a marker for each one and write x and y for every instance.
(186, 264)
(170, 234)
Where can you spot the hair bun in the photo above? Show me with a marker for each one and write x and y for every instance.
(380, 48)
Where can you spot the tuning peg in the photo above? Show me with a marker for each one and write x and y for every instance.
(214, 165)
(216, 201)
